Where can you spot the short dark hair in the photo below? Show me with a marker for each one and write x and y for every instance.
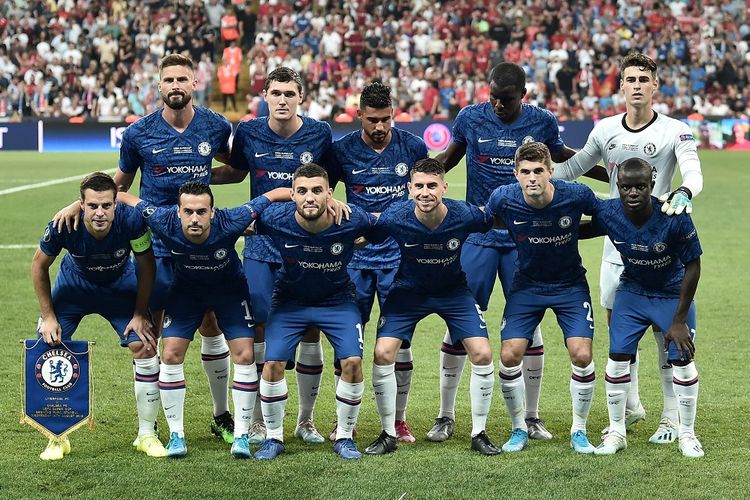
(640, 61)
(428, 166)
(310, 170)
(176, 60)
(195, 188)
(99, 182)
(284, 75)
(375, 95)
(507, 74)
(534, 151)
(635, 165)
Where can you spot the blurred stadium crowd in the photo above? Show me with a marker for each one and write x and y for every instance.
(98, 59)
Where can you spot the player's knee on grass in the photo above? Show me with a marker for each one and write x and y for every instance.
(273, 371)
(351, 369)
(312, 335)
(209, 326)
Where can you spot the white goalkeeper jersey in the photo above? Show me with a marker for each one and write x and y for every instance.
(664, 142)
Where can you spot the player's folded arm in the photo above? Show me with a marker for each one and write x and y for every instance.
(227, 174)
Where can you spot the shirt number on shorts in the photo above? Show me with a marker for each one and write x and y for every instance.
(360, 336)
(480, 313)
(589, 314)
(248, 313)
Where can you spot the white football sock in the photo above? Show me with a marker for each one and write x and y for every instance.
(309, 372)
(215, 360)
(273, 396)
(533, 372)
(172, 390)
(617, 382)
(582, 383)
(146, 375)
(686, 389)
(512, 385)
(404, 371)
(666, 374)
(452, 361)
(481, 386)
(244, 394)
(384, 385)
(259, 349)
(348, 403)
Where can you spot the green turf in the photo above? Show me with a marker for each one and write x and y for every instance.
(103, 464)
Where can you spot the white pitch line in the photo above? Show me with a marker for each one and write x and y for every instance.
(18, 247)
(50, 182)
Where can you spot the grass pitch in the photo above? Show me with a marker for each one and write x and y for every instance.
(103, 464)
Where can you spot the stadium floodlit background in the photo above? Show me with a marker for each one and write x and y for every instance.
(84, 69)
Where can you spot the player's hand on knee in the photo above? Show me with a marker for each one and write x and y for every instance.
(339, 210)
(680, 335)
(68, 217)
(676, 202)
(144, 330)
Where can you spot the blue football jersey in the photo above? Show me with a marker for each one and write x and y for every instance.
(375, 180)
(99, 261)
(215, 261)
(168, 158)
(546, 238)
(271, 161)
(491, 149)
(655, 254)
(313, 265)
(431, 258)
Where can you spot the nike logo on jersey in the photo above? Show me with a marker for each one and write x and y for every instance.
(409, 245)
(359, 171)
(261, 155)
(519, 222)
(157, 151)
(480, 140)
(617, 242)
(287, 245)
(177, 253)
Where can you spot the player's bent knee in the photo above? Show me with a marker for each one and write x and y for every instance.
(351, 369)
(385, 354)
(273, 371)
(242, 355)
(139, 350)
(511, 354)
(172, 357)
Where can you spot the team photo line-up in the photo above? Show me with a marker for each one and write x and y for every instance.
(312, 264)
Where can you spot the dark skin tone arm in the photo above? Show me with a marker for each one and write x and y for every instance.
(678, 331)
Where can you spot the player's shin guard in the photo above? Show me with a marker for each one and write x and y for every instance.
(404, 370)
(215, 360)
(686, 389)
(582, 393)
(146, 374)
(172, 390)
(384, 384)
(514, 394)
(348, 402)
(259, 349)
(533, 371)
(452, 361)
(666, 374)
(273, 396)
(309, 372)
(481, 386)
(244, 395)
(617, 385)
(634, 395)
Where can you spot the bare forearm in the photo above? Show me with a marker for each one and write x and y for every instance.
(146, 276)
(687, 290)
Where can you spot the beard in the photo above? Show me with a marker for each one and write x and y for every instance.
(177, 104)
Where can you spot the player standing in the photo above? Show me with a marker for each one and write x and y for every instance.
(207, 277)
(542, 217)
(98, 277)
(312, 289)
(270, 149)
(429, 231)
(661, 257)
(488, 134)
(666, 144)
(374, 164)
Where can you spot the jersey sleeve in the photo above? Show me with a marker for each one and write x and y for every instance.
(130, 158)
(583, 161)
(380, 230)
(138, 233)
(459, 127)
(51, 242)
(554, 141)
(597, 227)
(225, 132)
(154, 217)
(244, 215)
(495, 203)
(686, 152)
(686, 239)
(588, 199)
(237, 156)
(480, 220)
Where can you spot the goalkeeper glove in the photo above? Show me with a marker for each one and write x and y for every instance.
(677, 201)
